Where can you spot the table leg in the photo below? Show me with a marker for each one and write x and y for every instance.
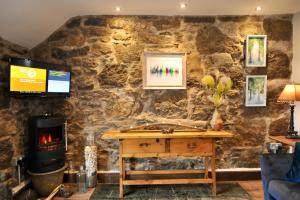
(213, 169)
(121, 168)
(206, 167)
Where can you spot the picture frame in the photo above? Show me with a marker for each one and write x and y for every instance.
(164, 70)
(256, 51)
(256, 91)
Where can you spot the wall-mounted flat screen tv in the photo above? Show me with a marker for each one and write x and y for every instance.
(32, 78)
(58, 81)
(27, 79)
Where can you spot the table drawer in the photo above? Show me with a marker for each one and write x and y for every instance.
(193, 145)
(143, 146)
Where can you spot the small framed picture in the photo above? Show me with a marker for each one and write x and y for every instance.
(164, 70)
(256, 90)
(256, 51)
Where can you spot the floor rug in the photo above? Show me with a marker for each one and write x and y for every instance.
(230, 191)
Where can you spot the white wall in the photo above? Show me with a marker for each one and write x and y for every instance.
(296, 63)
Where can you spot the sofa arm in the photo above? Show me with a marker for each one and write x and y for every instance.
(274, 167)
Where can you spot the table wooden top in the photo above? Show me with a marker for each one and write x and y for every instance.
(135, 134)
(285, 140)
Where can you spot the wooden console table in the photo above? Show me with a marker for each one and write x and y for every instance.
(284, 140)
(153, 143)
(290, 142)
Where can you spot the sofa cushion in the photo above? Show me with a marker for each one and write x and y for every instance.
(284, 190)
(274, 167)
(294, 173)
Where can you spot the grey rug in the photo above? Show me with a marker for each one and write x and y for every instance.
(231, 191)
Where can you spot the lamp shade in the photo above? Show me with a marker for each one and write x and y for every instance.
(290, 93)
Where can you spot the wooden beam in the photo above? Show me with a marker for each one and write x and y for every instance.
(150, 155)
(206, 167)
(122, 170)
(184, 171)
(144, 134)
(146, 126)
(213, 170)
(284, 140)
(166, 181)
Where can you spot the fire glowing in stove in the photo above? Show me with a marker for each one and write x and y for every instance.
(46, 138)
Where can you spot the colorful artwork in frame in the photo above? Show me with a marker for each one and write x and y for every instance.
(164, 70)
(256, 51)
(256, 90)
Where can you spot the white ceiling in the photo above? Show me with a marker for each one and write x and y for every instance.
(29, 22)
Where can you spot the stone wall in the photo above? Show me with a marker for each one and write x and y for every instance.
(12, 114)
(104, 53)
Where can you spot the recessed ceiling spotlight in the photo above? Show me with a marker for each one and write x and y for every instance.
(258, 8)
(182, 5)
(118, 9)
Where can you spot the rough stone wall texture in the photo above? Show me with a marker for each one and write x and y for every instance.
(105, 55)
(12, 115)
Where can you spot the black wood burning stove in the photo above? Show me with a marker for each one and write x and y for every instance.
(47, 143)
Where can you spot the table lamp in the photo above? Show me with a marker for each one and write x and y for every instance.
(291, 94)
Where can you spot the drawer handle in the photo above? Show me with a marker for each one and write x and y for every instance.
(144, 144)
(192, 146)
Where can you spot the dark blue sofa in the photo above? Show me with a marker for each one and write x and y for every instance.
(273, 171)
